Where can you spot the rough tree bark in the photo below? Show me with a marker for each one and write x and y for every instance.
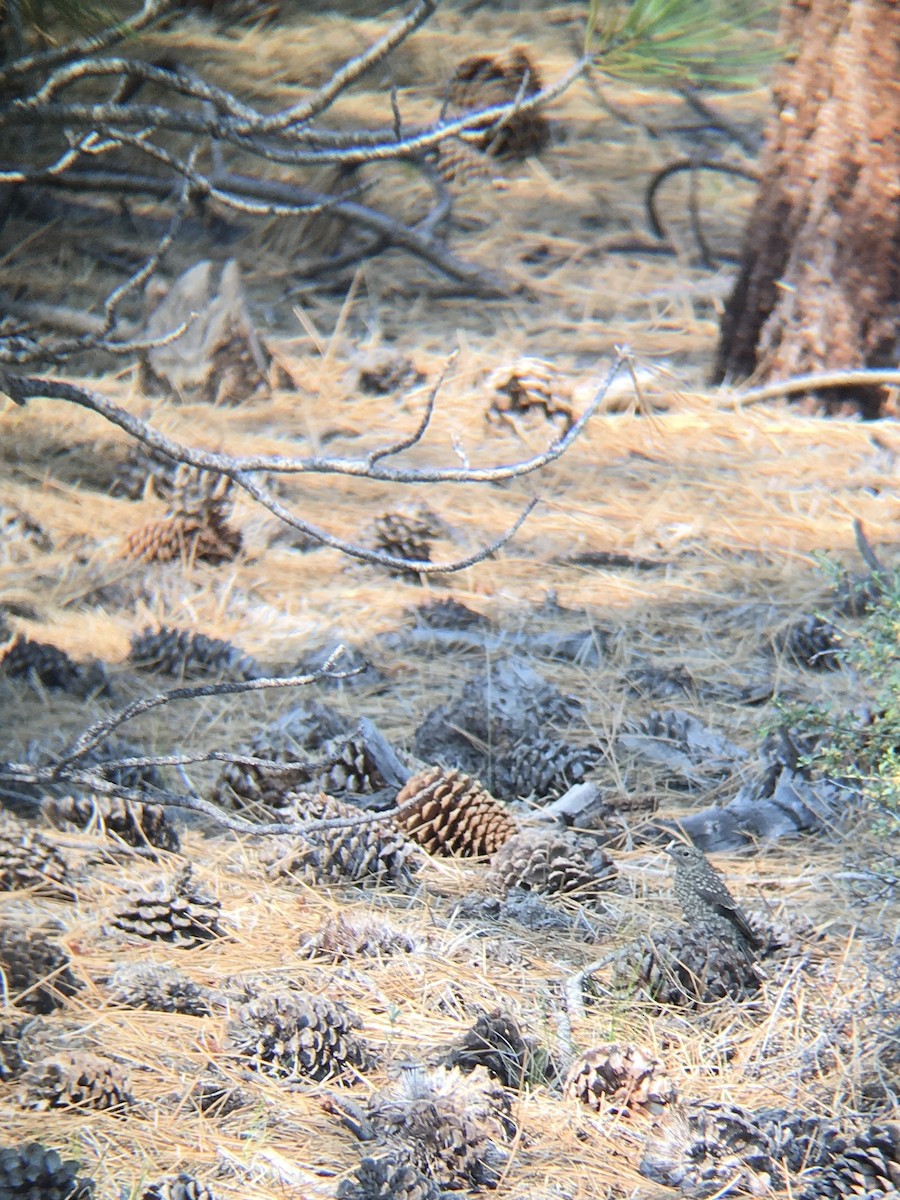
(819, 286)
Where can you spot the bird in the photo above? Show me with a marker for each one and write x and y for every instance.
(705, 901)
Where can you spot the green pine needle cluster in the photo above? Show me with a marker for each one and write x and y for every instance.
(682, 42)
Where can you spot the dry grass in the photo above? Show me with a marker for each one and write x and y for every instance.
(734, 503)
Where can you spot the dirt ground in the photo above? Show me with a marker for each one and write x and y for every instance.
(682, 533)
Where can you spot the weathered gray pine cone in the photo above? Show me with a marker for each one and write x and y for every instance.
(12, 1037)
(390, 1176)
(681, 966)
(406, 535)
(28, 860)
(76, 1079)
(159, 988)
(546, 861)
(811, 642)
(704, 1145)
(19, 531)
(495, 1042)
(34, 1172)
(527, 387)
(543, 768)
(180, 913)
(452, 814)
(52, 668)
(801, 1142)
(183, 654)
(339, 938)
(619, 1078)
(178, 1187)
(367, 852)
(453, 1125)
(136, 824)
(868, 1167)
(36, 969)
(293, 1035)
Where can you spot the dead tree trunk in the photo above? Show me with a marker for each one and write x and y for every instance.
(819, 286)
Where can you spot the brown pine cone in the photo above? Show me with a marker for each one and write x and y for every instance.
(136, 824)
(487, 81)
(617, 1078)
(530, 387)
(78, 1079)
(340, 938)
(406, 535)
(450, 813)
(158, 988)
(36, 969)
(297, 1036)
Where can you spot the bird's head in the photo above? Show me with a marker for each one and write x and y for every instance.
(682, 852)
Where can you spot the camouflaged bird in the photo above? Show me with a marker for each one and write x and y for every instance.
(705, 900)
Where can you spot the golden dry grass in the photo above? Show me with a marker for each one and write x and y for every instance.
(736, 504)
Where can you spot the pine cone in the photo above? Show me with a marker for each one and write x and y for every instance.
(542, 860)
(391, 1176)
(461, 165)
(705, 1145)
(451, 1124)
(370, 851)
(178, 1187)
(37, 972)
(384, 371)
(302, 736)
(870, 1167)
(687, 967)
(12, 1064)
(34, 1172)
(801, 1142)
(495, 1042)
(53, 669)
(181, 913)
(543, 768)
(28, 860)
(136, 824)
(145, 465)
(338, 939)
(527, 388)
(487, 81)
(186, 655)
(195, 527)
(614, 1078)
(406, 535)
(77, 1079)
(294, 1035)
(451, 814)
(159, 988)
(812, 642)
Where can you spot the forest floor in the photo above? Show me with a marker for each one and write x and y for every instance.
(679, 537)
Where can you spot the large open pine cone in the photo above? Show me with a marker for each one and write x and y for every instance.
(178, 1187)
(543, 860)
(390, 1176)
(184, 654)
(53, 668)
(495, 1042)
(530, 387)
(34, 1172)
(36, 970)
(371, 850)
(619, 1078)
(76, 1079)
(293, 1035)
(453, 1125)
(28, 860)
(870, 1167)
(681, 966)
(136, 824)
(450, 813)
(406, 535)
(703, 1146)
(180, 913)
